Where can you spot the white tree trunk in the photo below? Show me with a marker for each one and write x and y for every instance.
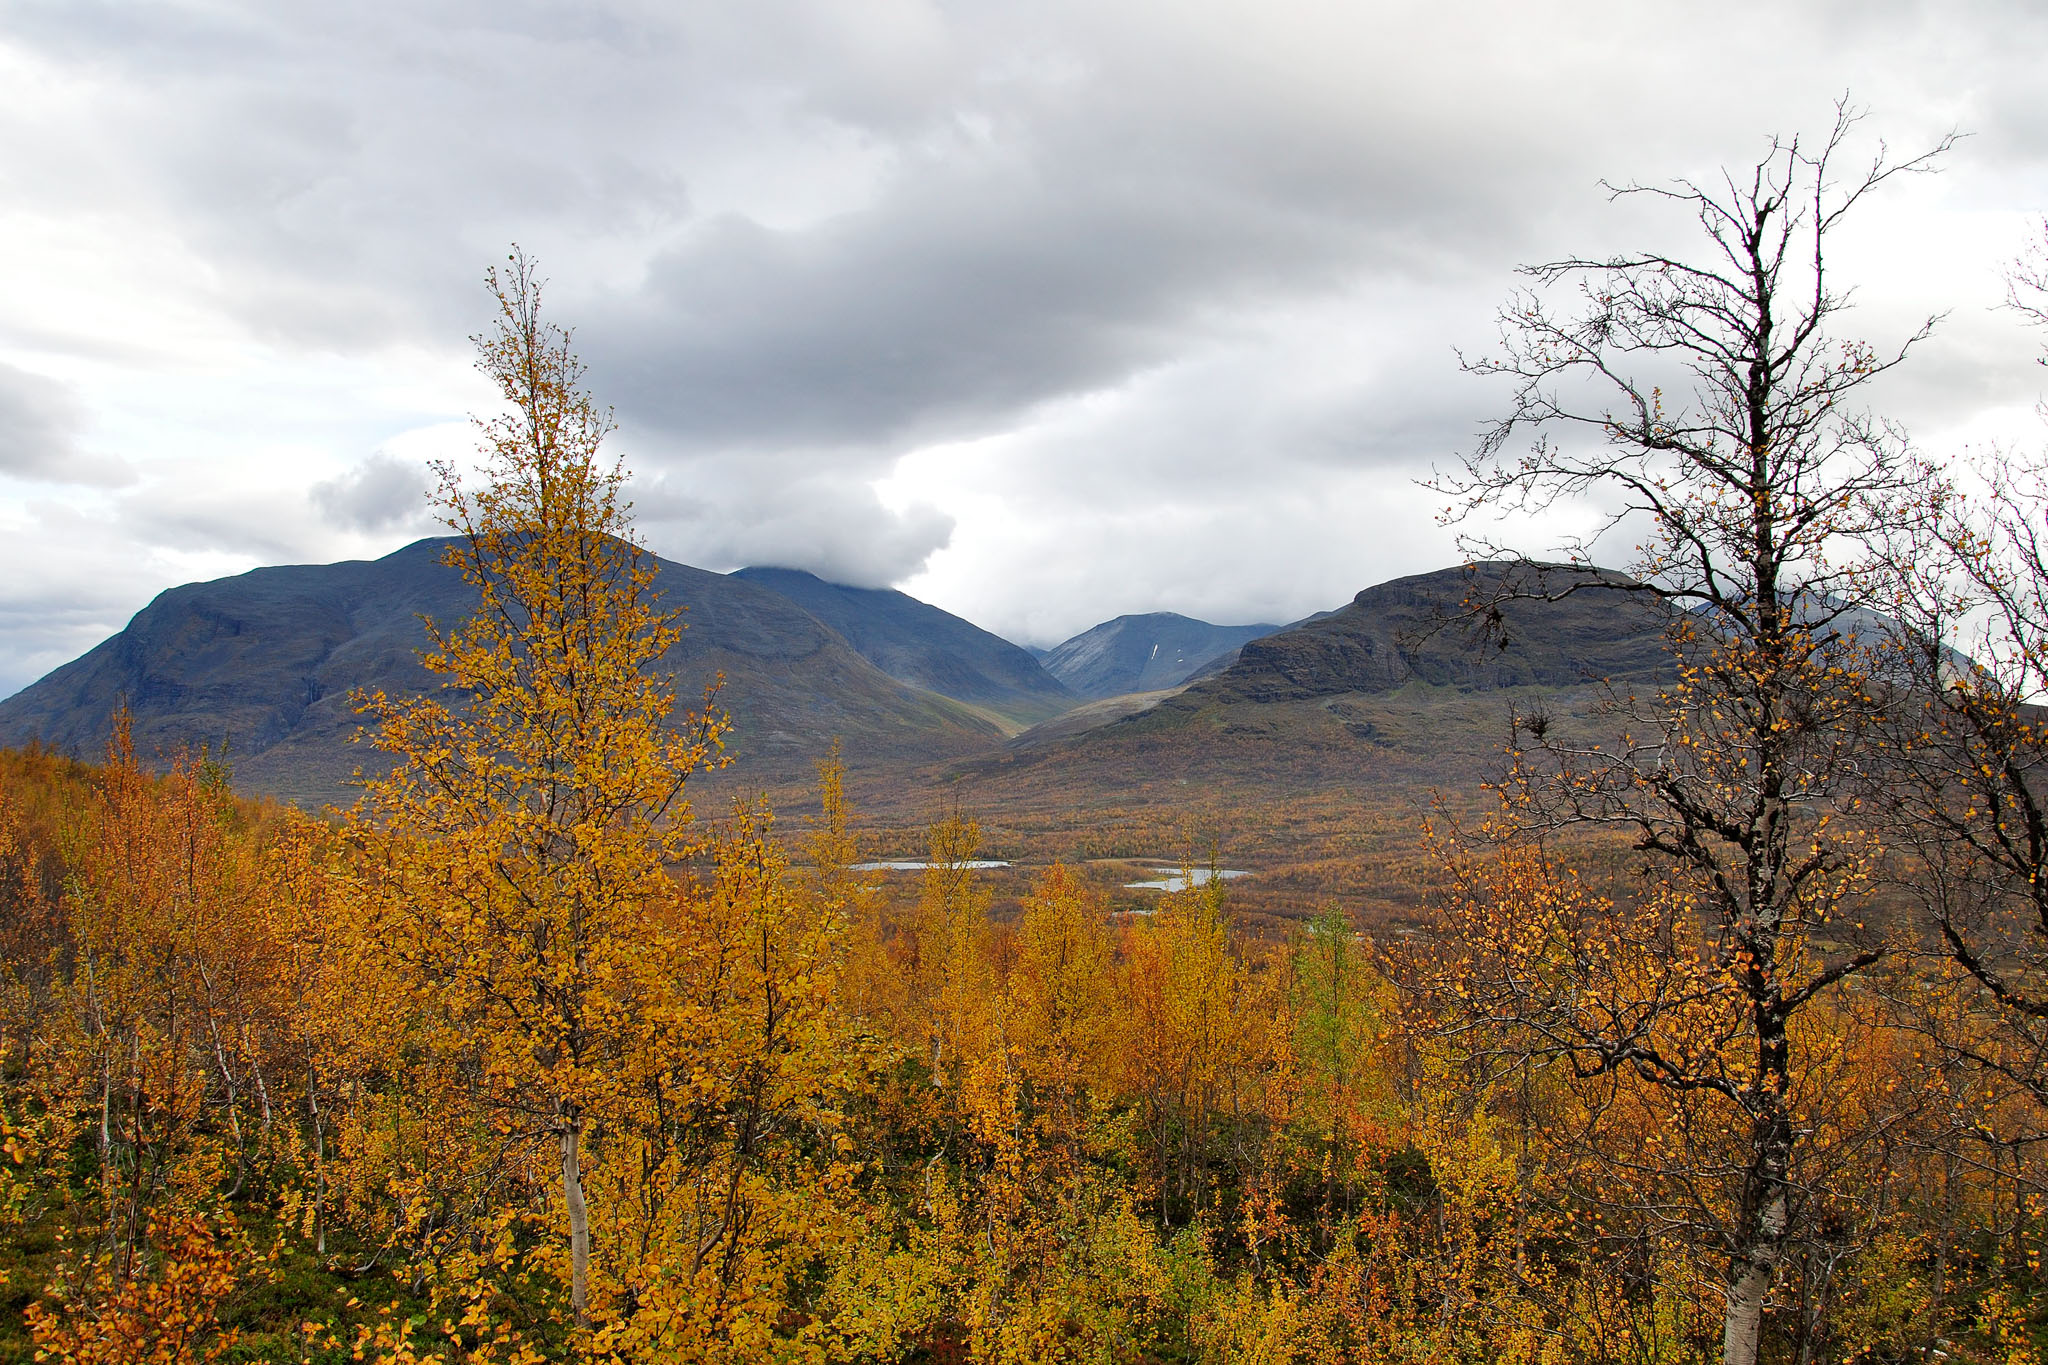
(579, 1221)
(1749, 1284)
(319, 1165)
(1742, 1332)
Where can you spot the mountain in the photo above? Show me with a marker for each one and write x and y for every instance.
(264, 663)
(1411, 630)
(1308, 754)
(918, 644)
(1397, 688)
(1144, 653)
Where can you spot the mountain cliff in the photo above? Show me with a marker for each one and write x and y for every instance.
(1398, 688)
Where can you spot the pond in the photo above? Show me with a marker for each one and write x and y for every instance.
(1173, 879)
(921, 866)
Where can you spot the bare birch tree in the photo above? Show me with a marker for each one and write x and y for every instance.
(1708, 404)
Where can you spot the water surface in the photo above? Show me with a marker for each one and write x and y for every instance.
(921, 866)
(1173, 879)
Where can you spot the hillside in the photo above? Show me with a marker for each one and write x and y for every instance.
(1143, 653)
(264, 663)
(1411, 630)
(922, 646)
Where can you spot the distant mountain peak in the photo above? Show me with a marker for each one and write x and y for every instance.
(1144, 652)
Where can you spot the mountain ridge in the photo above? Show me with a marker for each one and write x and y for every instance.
(264, 663)
(267, 660)
(1416, 628)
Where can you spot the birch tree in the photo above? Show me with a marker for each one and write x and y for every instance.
(1708, 404)
(537, 802)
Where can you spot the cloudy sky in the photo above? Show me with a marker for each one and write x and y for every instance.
(1041, 311)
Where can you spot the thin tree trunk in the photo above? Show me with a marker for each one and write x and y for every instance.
(256, 1074)
(227, 1079)
(319, 1166)
(579, 1221)
(106, 1111)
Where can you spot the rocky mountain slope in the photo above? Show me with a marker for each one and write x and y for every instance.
(264, 662)
(1143, 653)
(1410, 630)
(919, 644)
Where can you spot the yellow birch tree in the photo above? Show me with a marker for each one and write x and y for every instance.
(535, 805)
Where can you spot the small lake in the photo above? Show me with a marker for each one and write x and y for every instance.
(921, 866)
(1173, 879)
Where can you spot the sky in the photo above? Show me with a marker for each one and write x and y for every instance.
(1044, 312)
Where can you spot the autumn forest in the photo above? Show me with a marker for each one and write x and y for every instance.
(1724, 1034)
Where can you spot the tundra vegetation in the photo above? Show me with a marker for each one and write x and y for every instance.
(1728, 1041)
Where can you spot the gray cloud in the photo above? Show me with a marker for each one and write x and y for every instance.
(946, 313)
(833, 527)
(40, 425)
(187, 509)
(383, 493)
(63, 591)
(1127, 305)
